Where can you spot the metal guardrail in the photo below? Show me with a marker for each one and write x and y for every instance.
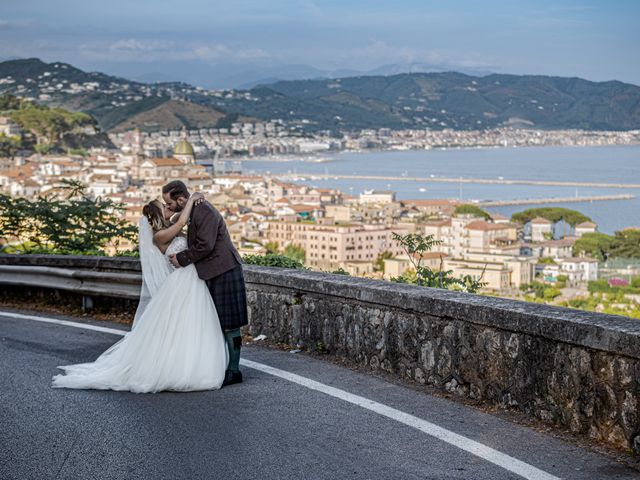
(86, 282)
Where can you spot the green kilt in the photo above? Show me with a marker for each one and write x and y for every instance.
(230, 297)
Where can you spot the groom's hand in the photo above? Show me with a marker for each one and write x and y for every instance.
(174, 260)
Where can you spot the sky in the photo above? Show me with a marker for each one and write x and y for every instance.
(196, 40)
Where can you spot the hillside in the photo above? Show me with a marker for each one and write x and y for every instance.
(47, 129)
(169, 115)
(417, 100)
(454, 100)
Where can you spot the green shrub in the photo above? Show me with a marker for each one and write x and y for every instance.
(273, 260)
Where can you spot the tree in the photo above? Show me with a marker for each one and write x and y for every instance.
(551, 293)
(9, 102)
(468, 209)
(9, 146)
(49, 126)
(415, 246)
(76, 224)
(626, 244)
(594, 244)
(553, 214)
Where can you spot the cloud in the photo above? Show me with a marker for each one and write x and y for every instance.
(153, 49)
(378, 52)
(137, 45)
(211, 52)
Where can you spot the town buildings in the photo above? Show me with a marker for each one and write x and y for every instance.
(335, 231)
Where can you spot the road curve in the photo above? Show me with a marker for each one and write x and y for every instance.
(294, 417)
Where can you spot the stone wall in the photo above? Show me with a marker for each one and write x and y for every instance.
(577, 370)
(574, 369)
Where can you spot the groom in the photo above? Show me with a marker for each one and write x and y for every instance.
(218, 263)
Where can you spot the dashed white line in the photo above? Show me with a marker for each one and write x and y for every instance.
(489, 454)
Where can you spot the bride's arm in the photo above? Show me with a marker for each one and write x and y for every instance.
(162, 237)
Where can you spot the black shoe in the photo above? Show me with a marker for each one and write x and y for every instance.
(231, 377)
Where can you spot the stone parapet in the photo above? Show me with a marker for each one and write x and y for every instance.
(575, 369)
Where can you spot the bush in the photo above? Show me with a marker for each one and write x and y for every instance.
(551, 293)
(273, 260)
(295, 252)
(547, 261)
(601, 286)
(76, 224)
(415, 245)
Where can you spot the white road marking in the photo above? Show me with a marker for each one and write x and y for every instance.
(476, 448)
(85, 326)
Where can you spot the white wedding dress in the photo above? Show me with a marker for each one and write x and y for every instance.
(175, 343)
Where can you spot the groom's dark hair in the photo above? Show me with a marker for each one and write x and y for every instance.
(176, 189)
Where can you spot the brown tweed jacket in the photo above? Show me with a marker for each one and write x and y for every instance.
(210, 246)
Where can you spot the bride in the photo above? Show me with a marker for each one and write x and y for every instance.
(176, 342)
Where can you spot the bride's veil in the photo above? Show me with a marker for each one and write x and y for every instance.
(155, 267)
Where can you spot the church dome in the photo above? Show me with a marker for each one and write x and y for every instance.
(183, 147)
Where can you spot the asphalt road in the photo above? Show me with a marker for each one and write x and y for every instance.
(266, 428)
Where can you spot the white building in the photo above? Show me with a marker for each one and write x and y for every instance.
(577, 270)
(377, 196)
(541, 229)
(585, 227)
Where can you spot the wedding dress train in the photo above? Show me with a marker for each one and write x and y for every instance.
(175, 344)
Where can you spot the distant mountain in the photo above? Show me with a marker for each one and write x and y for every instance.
(406, 100)
(459, 101)
(111, 100)
(420, 67)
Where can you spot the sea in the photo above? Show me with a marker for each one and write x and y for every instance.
(618, 164)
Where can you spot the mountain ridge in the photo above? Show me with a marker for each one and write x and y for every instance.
(435, 100)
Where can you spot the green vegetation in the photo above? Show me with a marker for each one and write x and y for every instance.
(122, 114)
(160, 113)
(9, 146)
(415, 246)
(595, 245)
(377, 101)
(273, 260)
(603, 297)
(379, 263)
(293, 257)
(553, 214)
(624, 244)
(561, 281)
(51, 128)
(295, 252)
(541, 290)
(603, 286)
(612, 303)
(468, 209)
(49, 125)
(340, 271)
(547, 261)
(272, 247)
(77, 224)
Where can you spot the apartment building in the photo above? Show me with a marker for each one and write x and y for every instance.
(329, 246)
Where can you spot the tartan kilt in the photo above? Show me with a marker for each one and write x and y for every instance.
(230, 298)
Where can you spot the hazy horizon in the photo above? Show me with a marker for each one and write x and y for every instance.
(211, 44)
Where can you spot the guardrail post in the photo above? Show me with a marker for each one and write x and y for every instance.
(87, 303)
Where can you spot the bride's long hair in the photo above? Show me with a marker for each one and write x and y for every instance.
(155, 214)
